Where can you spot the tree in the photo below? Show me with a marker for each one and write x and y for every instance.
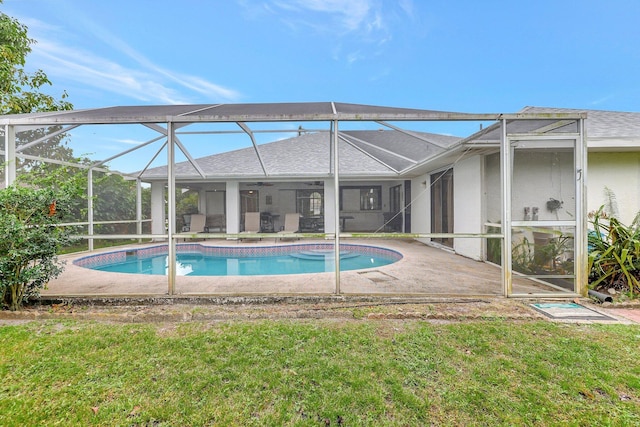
(29, 238)
(29, 241)
(20, 92)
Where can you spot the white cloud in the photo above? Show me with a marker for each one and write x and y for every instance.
(93, 71)
(345, 15)
(354, 25)
(144, 81)
(129, 141)
(602, 100)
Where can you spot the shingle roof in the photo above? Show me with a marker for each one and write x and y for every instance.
(362, 153)
(599, 124)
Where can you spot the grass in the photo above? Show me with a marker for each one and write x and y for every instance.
(317, 373)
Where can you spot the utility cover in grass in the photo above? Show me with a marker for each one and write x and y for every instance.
(569, 311)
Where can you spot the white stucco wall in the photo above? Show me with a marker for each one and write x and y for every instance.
(233, 207)
(467, 206)
(421, 206)
(538, 176)
(157, 208)
(492, 189)
(620, 172)
(329, 206)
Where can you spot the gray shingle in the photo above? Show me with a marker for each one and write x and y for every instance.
(309, 154)
(600, 123)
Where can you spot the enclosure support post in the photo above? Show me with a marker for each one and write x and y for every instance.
(171, 208)
(505, 172)
(336, 204)
(139, 208)
(90, 207)
(10, 155)
(580, 258)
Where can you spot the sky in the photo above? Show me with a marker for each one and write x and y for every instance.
(491, 56)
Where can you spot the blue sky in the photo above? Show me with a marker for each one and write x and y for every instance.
(466, 55)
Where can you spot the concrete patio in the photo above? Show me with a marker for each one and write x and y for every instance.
(423, 271)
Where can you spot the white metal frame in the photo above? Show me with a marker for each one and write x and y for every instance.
(175, 122)
(578, 224)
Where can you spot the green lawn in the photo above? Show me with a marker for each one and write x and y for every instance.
(320, 372)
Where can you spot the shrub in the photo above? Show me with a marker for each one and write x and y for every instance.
(29, 241)
(614, 253)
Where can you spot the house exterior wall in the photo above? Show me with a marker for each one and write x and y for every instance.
(282, 197)
(329, 206)
(619, 172)
(467, 206)
(364, 220)
(541, 175)
(233, 207)
(157, 208)
(421, 206)
(538, 176)
(492, 189)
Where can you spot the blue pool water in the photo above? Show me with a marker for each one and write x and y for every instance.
(197, 260)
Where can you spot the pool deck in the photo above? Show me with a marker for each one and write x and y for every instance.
(423, 271)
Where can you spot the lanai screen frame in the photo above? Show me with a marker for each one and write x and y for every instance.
(332, 113)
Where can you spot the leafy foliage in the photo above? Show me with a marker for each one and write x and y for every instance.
(614, 253)
(548, 256)
(29, 240)
(20, 92)
(60, 178)
(115, 200)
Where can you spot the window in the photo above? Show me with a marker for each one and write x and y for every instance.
(367, 198)
(309, 202)
(249, 201)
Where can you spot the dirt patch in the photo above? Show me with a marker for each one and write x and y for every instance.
(345, 309)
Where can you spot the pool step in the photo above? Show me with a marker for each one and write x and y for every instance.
(322, 254)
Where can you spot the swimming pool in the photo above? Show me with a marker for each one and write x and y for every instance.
(200, 260)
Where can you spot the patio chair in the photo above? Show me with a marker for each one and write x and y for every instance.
(196, 225)
(291, 225)
(251, 224)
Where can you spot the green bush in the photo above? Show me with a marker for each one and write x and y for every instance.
(614, 253)
(29, 241)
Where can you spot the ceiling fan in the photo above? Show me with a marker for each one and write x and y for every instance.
(260, 184)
